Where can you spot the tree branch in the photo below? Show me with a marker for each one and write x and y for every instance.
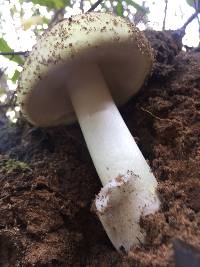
(22, 53)
(95, 5)
(197, 8)
(81, 6)
(181, 31)
(59, 14)
(191, 18)
(2, 72)
(165, 15)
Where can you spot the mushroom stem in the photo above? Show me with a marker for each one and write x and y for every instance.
(111, 146)
(115, 155)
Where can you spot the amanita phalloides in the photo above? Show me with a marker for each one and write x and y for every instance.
(81, 69)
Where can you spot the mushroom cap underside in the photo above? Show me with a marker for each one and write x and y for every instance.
(119, 49)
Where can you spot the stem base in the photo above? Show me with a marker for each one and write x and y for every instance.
(119, 207)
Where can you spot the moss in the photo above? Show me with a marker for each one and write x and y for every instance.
(10, 165)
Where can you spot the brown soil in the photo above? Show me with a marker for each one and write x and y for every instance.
(45, 217)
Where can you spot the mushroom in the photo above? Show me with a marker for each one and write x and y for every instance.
(77, 70)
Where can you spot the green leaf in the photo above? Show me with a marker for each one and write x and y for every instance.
(15, 76)
(52, 4)
(119, 8)
(4, 47)
(136, 6)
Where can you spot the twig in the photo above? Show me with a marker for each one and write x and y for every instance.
(197, 8)
(59, 14)
(199, 27)
(11, 102)
(191, 18)
(81, 6)
(2, 71)
(197, 5)
(10, 97)
(95, 5)
(152, 115)
(140, 15)
(165, 15)
(5, 106)
(22, 53)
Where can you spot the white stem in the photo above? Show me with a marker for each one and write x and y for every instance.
(115, 154)
(111, 146)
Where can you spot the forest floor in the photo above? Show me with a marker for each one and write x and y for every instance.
(48, 181)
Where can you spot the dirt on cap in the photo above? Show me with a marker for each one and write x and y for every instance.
(48, 181)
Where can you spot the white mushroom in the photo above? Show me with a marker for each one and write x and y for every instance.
(77, 70)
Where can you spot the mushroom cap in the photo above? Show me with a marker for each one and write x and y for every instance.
(121, 51)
